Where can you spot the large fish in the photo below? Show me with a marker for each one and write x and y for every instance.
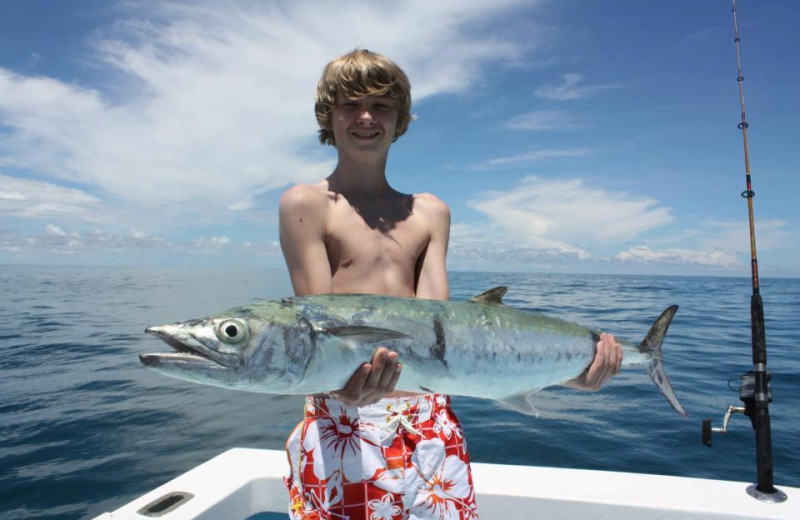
(312, 344)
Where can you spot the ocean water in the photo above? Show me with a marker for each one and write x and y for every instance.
(84, 428)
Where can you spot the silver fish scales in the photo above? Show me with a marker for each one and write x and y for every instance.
(312, 344)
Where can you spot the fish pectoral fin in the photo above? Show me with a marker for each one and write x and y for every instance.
(521, 403)
(366, 334)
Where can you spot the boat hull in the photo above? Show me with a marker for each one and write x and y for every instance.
(242, 482)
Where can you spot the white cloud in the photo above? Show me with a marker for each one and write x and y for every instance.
(490, 246)
(544, 120)
(56, 241)
(532, 156)
(568, 216)
(214, 242)
(569, 89)
(716, 259)
(7, 195)
(212, 103)
(54, 231)
(566, 225)
(726, 243)
(735, 236)
(61, 242)
(29, 198)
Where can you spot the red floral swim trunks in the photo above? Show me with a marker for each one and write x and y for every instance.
(401, 458)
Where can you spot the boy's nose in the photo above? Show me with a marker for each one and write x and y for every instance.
(366, 116)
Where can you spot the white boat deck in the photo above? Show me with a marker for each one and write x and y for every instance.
(242, 482)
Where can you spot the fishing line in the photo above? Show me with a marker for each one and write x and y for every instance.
(731, 380)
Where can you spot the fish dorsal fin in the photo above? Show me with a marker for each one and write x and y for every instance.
(492, 296)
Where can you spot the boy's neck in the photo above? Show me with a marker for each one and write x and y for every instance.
(360, 179)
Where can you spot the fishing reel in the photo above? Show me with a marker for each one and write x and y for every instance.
(747, 394)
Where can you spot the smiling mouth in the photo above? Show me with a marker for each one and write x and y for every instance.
(366, 135)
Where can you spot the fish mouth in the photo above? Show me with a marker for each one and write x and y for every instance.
(190, 352)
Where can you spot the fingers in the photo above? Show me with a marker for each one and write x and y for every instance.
(605, 365)
(607, 362)
(380, 360)
(389, 373)
(595, 375)
(351, 393)
(398, 369)
(372, 381)
(615, 351)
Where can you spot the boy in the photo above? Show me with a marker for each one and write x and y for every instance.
(366, 451)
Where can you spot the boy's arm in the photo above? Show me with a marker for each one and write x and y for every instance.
(301, 215)
(431, 269)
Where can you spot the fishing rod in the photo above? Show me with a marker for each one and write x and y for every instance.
(755, 390)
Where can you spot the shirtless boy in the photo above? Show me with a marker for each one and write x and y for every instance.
(365, 450)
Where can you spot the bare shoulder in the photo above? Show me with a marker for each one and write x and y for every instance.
(304, 197)
(431, 207)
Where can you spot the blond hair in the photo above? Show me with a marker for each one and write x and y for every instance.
(356, 75)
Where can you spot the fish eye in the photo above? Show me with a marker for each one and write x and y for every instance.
(232, 331)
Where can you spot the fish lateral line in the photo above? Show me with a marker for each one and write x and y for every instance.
(365, 334)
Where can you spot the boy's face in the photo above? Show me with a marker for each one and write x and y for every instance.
(367, 123)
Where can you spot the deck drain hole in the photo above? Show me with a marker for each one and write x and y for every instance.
(166, 504)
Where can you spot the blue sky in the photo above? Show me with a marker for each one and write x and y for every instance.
(566, 136)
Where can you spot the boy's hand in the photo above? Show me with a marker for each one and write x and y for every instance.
(606, 364)
(372, 381)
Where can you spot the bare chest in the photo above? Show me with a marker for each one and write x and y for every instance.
(375, 249)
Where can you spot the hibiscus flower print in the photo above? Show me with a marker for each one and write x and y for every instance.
(344, 450)
(343, 436)
(444, 425)
(383, 509)
(441, 482)
(399, 459)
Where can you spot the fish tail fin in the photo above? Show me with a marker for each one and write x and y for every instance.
(652, 345)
